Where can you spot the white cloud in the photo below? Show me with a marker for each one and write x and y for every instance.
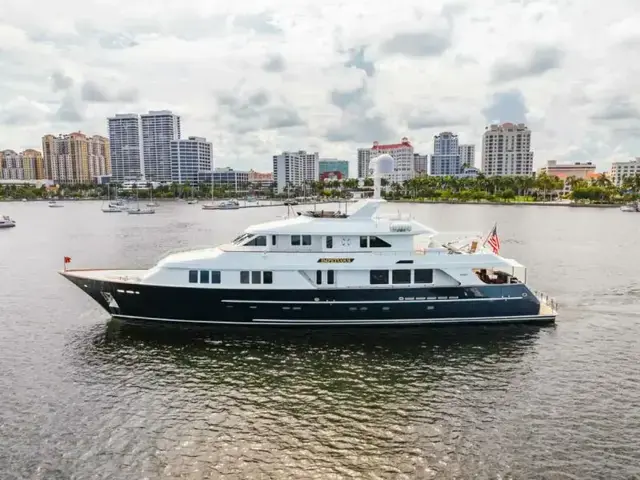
(258, 77)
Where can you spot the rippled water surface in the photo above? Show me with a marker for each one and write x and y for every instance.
(83, 396)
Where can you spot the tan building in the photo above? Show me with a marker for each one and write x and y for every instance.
(263, 179)
(75, 158)
(506, 150)
(585, 171)
(619, 170)
(26, 165)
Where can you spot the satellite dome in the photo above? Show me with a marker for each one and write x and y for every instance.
(383, 164)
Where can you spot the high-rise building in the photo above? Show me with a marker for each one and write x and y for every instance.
(506, 150)
(328, 165)
(125, 143)
(619, 170)
(402, 154)
(420, 163)
(310, 166)
(288, 170)
(446, 156)
(75, 158)
(467, 155)
(189, 157)
(159, 129)
(364, 157)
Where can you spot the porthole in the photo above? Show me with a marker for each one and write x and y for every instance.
(524, 294)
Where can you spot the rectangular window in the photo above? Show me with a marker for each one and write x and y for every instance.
(193, 276)
(364, 242)
(401, 276)
(273, 239)
(244, 277)
(330, 277)
(379, 277)
(256, 277)
(204, 276)
(329, 242)
(215, 277)
(260, 241)
(295, 240)
(319, 277)
(375, 242)
(267, 277)
(423, 276)
(306, 239)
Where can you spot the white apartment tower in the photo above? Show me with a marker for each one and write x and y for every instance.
(189, 157)
(288, 170)
(619, 170)
(125, 145)
(310, 166)
(446, 155)
(364, 157)
(402, 154)
(506, 150)
(159, 129)
(467, 155)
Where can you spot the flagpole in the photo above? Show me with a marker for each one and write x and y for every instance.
(495, 225)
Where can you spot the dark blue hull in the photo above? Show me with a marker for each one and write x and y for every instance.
(325, 307)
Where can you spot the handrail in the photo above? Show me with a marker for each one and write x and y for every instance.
(550, 301)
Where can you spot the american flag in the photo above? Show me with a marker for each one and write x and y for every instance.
(493, 240)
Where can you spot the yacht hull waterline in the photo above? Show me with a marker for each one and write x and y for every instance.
(514, 303)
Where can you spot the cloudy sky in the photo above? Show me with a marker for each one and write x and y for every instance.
(256, 77)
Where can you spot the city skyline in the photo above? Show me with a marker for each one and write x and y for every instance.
(299, 78)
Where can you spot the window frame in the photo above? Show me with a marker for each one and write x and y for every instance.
(216, 275)
(256, 275)
(267, 277)
(194, 276)
(384, 273)
(205, 274)
(403, 271)
(431, 275)
(245, 277)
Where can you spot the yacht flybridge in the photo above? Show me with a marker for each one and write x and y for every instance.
(325, 269)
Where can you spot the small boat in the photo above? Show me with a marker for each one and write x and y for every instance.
(193, 202)
(6, 221)
(141, 211)
(112, 209)
(631, 207)
(224, 205)
(54, 204)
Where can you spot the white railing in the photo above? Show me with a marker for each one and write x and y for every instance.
(547, 300)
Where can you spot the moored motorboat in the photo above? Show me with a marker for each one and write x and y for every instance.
(7, 222)
(54, 204)
(631, 207)
(310, 270)
(224, 205)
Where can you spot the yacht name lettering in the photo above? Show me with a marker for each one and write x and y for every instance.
(335, 260)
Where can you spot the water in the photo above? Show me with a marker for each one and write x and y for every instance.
(85, 397)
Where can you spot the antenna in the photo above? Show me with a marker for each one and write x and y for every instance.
(380, 165)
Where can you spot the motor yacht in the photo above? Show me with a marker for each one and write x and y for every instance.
(7, 222)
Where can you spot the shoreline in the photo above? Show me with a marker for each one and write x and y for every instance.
(511, 204)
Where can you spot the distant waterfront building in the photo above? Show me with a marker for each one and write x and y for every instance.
(420, 164)
(402, 154)
(564, 171)
(287, 170)
(232, 180)
(75, 158)
(506, 150)
(329, 176)
(446, 155)
(263, 180)
(334, 165)
(26, 165)
(310, 166)
(125, 143)
(159, 129)
(467, 155)
(619, 170)
(188, 157)
(364, 157)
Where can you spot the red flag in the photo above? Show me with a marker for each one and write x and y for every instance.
(493, 240)
(67, 259)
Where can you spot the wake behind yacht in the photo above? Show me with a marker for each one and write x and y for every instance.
(324, 269)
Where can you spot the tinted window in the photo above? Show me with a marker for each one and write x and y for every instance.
(423, 276)
(255, 277)
(244, 277)
(306, 239)
(329, 242)
(330, 277)
(260, 241)
(319, 277)
(204, 276)
(193, 276)
(404, 261)
(363, 242)
(379, 277)
(268, 277)
(376, 242)
(215, 277)
(273, 239)
(295, 240)
(401, 276)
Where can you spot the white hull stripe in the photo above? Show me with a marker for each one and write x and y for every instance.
(366, 302)
(391, 321)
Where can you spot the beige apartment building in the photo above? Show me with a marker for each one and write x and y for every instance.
(75, 157)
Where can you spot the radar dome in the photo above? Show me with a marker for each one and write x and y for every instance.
(383, 164)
